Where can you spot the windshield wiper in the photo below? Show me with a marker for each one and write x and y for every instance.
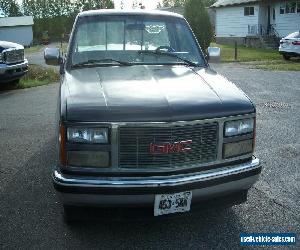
(157, 52)
(97, 62)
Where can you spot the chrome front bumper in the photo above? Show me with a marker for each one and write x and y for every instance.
(116, 191)
(7, 67)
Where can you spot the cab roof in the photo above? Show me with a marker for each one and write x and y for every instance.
(128, 12)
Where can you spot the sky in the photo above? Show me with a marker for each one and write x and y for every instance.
(149, 4)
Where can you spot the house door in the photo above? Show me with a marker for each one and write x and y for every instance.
(273, 19)
(269, 19)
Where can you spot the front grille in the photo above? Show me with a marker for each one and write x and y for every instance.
(134, 145)
(14, 56)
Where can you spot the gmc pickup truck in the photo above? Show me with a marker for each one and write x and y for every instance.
(143, 121)
(13, 65)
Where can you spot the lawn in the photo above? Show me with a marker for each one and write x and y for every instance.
(34, 49)
(292, 65)
(245, 54)
(36, 76)
(257, 58)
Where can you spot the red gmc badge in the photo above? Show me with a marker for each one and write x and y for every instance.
(168, 148)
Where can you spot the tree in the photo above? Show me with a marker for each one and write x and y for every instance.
(134, 4)
(173, 3)
(197, 16)
(181, 3)
(122, 4)
(14, 9)
(93, 4)
(209, 3)
(10, 8)
(109, 4)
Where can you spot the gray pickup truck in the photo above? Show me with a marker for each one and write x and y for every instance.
(13, 64)
(143, 121)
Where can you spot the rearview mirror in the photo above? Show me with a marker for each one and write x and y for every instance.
(214, 54)
(52, 56)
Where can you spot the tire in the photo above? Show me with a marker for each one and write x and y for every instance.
(286, 57)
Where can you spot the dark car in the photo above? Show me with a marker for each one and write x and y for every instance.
(13, 64)
(144, 121)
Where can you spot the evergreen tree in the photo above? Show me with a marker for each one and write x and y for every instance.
(196, 14)
(177, 3)
(10, 8)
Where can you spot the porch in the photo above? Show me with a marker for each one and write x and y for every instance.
(264, 33)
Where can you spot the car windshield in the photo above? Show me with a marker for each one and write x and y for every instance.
(128, 40)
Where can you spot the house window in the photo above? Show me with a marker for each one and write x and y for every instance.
(290, 7)
(249, 11)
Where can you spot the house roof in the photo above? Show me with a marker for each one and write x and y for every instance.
(223, 3)
(16, 21)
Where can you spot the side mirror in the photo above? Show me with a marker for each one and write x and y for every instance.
(214, 54)
(52, 56)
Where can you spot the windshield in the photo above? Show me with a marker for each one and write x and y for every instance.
(124, 40)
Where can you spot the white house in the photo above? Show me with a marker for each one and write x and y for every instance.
(17, 29)
(254, 22)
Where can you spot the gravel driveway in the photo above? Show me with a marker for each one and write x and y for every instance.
(31, 217)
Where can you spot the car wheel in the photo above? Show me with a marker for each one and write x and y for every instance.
(286, 57)
(15, 82)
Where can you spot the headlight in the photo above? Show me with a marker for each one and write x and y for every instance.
(87, 135)
(239, 127)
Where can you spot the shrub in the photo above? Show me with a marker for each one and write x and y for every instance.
(197, 16)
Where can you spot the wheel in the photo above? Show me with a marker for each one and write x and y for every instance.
(14, 82)
(286, 57)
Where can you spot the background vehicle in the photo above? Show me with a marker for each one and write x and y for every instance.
(144, 122)
(13, 64)
(290, 45)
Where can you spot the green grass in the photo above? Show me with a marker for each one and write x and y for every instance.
(36, 76)
(258, 58)
(292, 65)
(34, 49)
(245, 54)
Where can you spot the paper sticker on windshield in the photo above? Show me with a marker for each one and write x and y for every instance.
(154, 29)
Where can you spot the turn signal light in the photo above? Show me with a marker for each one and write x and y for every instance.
(62, 145)
(239, 148)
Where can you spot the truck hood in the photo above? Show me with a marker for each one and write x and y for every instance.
(150, 93)
(8, 45)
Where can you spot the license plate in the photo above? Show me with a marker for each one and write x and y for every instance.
(172, 203)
